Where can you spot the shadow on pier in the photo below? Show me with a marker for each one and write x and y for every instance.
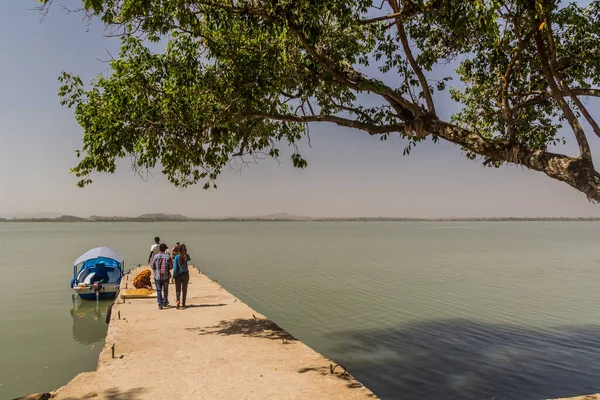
(251, 327)
(205, 305)
(114, 394)
(322, 370)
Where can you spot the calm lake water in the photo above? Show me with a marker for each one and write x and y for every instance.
(414, 310)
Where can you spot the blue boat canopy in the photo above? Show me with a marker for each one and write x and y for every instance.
(100, 273)
(99, 254)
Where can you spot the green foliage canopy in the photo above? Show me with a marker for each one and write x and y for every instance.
(239, 77)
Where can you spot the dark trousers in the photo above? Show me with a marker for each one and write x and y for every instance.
(181, 284)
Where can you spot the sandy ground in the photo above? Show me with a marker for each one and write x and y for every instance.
(217, 348)
(586, 397)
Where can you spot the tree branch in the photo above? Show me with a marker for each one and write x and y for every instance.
(576, 172)
(413, 63)
(506, 109)
(409, 11)
(561, 82)
(584, 147)
(397, 16)
(352, 110)
(372, 129)
(246, 10)
(318, 57)
(575, 92)
(407, 109)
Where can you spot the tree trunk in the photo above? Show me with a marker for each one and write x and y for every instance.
(576, 172)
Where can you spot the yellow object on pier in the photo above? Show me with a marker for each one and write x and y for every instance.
(138, 294)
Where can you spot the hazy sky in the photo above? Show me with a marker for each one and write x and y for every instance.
(349, 173)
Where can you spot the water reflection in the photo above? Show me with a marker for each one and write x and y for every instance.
(89, 320)
(462, 360)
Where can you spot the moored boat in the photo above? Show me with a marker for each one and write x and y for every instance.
(99, 274)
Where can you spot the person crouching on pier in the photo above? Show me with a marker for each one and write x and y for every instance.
(162, 266)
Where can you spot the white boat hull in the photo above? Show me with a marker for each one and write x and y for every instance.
(108, 291)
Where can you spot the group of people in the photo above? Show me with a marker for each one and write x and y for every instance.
(162, 261)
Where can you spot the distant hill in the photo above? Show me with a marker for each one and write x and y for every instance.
(35, 215)
(69, 218)
(61, 218)
(152, 217)
(281, 216)
(97, 218)
(163, 217)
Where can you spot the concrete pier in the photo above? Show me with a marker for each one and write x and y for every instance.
(216, 348)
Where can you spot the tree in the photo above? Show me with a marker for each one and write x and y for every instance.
(239, 77)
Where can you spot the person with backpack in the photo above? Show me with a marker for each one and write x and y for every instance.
(181, 275)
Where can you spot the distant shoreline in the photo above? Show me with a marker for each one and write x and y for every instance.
(169, 218)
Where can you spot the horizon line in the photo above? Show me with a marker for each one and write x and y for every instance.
(279, 216)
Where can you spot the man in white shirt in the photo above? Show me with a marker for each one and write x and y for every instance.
(154, 249)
